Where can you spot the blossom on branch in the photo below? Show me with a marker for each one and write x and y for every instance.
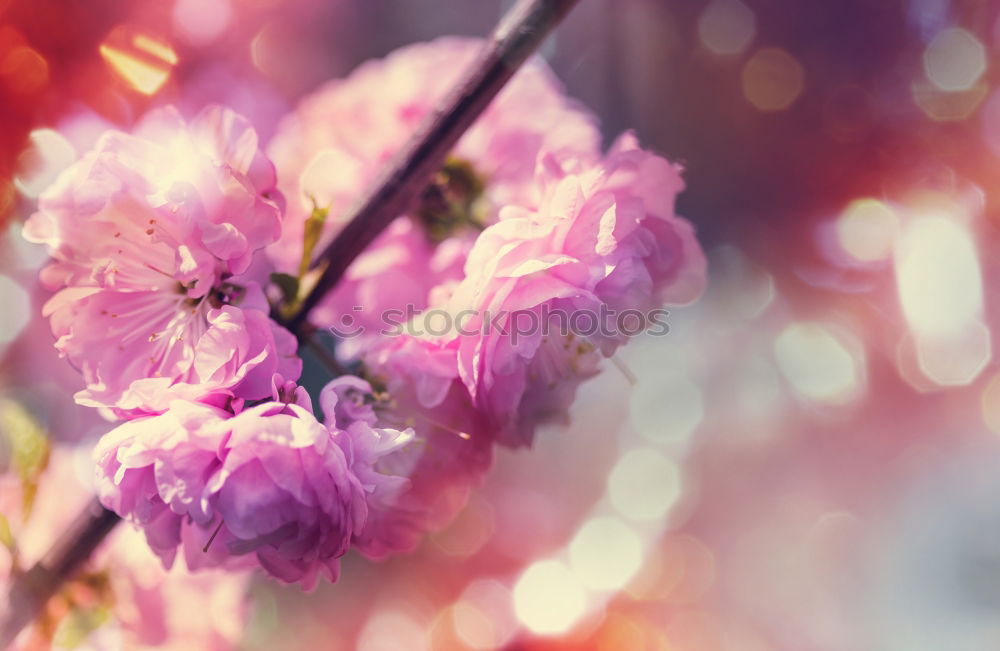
(149, 235)
(603, 236)
(604, 240)
(342, 136)
(269, 485)
(153, 235)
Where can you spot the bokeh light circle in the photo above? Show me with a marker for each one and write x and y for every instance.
(548, 598)
(644, 484)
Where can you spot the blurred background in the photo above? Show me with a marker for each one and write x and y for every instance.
(808, 461)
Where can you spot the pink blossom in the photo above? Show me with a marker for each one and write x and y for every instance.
(149, 234)
(603, 236)
(269, 486)
(451, 451)
(341, 136)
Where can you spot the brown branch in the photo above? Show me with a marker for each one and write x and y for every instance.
(518, 35)
(401, 183)
(33, 589)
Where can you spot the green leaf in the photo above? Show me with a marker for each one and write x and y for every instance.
(310, 238)
(289, 286)
(292, 287)
(78, 624)
(29, 448)
(6, 535)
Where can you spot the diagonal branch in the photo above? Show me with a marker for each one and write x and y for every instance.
(517, 36)
(30, 591)
(408, 174)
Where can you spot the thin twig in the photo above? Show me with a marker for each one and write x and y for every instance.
(211, 539)
(519, 34)
(401, 183)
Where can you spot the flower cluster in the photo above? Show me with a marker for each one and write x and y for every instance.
(270, 482)
(164, 308)
(151, 234)
(602, 235)
(342, 135)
